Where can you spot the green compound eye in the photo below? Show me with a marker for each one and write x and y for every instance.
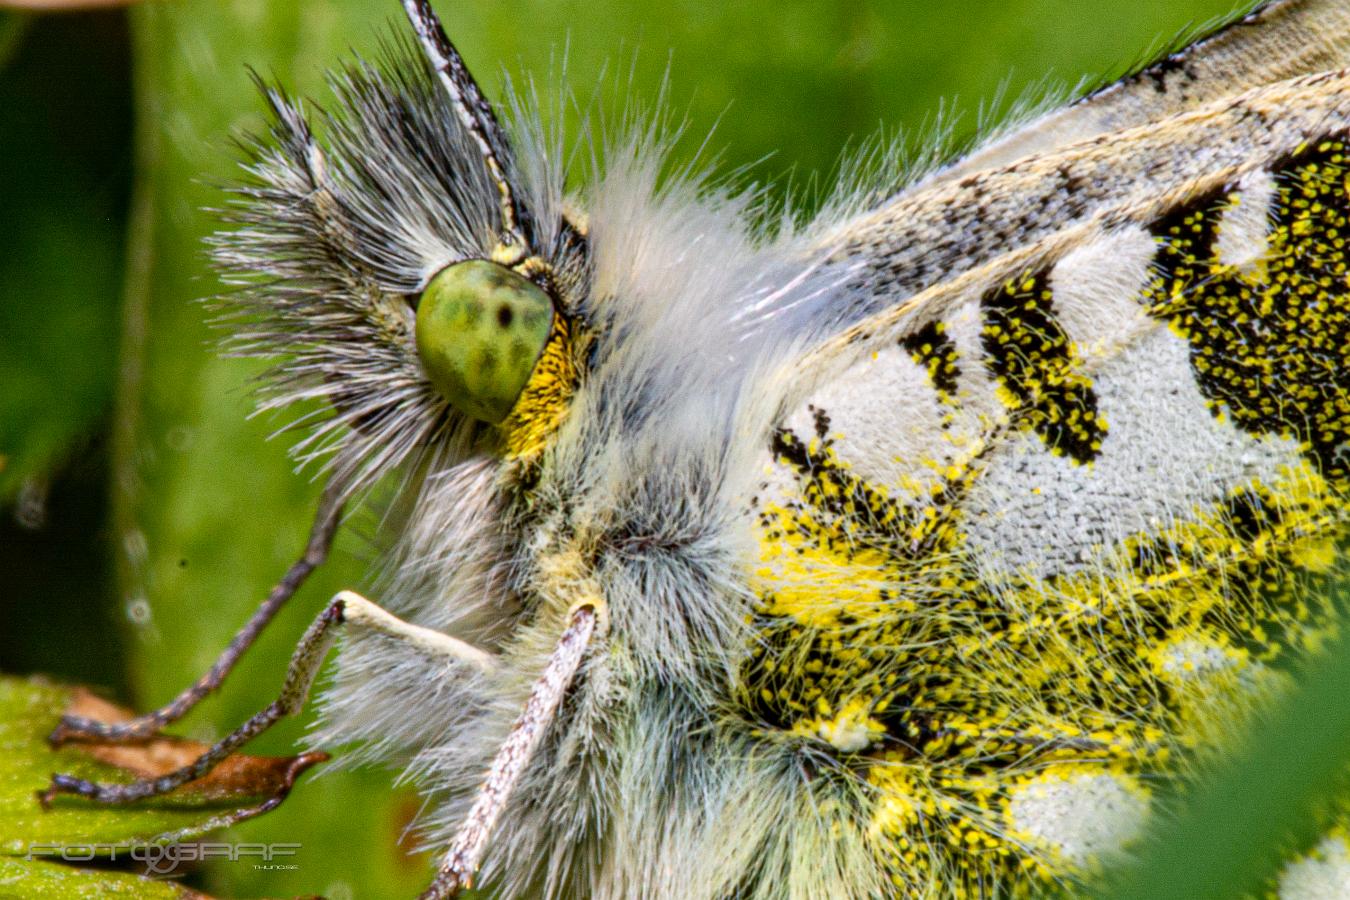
(480, 331)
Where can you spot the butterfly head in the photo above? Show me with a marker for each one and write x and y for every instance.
(408, 266)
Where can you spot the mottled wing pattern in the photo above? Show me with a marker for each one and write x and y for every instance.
(1051, 517)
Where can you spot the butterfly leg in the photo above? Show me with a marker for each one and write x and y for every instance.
(347, 608)
(79, 728)
(466, 852)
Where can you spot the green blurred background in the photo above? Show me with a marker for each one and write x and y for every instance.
(142, 515)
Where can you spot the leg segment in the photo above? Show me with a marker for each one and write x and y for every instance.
(141, 727)
(346, 607)
(466, 853)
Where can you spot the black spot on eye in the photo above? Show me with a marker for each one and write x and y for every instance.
(504, 316)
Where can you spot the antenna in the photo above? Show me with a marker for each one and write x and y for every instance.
(477, 116)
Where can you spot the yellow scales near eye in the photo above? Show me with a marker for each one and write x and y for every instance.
(894, 556)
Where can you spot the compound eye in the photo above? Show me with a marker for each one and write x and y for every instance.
(480, 331)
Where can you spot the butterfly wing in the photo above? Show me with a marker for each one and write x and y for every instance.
(1277, 41)
(1065, 495)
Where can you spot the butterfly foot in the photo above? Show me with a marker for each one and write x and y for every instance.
(84, 730)
(68, 784)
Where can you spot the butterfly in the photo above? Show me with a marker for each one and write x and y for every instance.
(896, 552)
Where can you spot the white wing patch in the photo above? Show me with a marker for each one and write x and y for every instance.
(1244, 230)
(1096, 291)
(1165, 458)
(1323, 874)
(884, 418)
(1079, 817)
(1190, 659)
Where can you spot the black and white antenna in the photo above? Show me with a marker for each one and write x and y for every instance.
(477, 117)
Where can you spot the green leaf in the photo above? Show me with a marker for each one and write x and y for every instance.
(29, 710)
(38, 880)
